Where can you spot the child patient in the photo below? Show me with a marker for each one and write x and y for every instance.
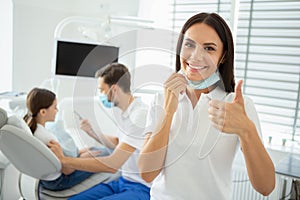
(42, 108)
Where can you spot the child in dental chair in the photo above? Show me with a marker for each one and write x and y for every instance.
(42, 108)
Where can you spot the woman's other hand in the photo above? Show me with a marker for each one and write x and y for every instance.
(175, 85)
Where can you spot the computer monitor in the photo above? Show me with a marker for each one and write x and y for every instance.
(82, 59)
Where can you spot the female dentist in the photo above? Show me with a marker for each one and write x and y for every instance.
(196, 126)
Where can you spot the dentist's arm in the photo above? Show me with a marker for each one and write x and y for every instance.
(232, 118)
(109, 163)
(153, 153)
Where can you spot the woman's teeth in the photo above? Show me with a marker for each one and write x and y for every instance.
(197, 67)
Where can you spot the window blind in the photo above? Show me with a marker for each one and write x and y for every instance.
(268, 59)
(267, 56)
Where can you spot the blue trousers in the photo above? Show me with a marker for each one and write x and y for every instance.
(67, 181)
(120, 189)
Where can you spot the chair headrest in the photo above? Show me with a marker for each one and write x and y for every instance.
(13, 120)
(20, 123)
(29, 155)
(3, 117)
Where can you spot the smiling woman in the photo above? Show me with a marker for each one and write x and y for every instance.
(200, 59)
(200, 56)
(268, 61)
(199, 128)
(267, 58)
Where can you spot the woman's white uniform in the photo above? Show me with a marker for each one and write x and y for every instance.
(193, 168)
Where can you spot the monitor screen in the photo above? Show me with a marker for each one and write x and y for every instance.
(82, 59)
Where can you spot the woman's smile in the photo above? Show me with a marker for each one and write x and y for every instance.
(195, 69)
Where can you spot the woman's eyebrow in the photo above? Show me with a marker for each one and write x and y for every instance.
(189, 40)
(211, 43)
(207, 43)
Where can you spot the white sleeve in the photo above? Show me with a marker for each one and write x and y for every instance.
(44, 136)
(134, 136)
(155, 114)
(252, 114)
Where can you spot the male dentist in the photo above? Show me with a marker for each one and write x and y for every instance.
(114, 82)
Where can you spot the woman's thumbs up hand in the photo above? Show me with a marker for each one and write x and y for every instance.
(230, 117)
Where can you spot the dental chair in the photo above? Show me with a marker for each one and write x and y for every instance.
(35, 161)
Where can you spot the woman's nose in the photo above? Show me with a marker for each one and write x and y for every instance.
(198, 54)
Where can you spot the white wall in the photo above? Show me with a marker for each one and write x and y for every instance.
(34, 25)
(6, 10)
(157, 10)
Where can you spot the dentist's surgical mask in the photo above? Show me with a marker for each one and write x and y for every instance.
(103, 98)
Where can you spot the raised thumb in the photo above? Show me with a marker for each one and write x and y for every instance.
(238, 92)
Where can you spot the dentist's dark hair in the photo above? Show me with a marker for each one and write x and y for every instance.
(226, 67)
(115, 73)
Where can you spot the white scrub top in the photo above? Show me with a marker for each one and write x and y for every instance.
(131, 124)
(193, 168)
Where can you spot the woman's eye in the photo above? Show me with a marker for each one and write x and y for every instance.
(209, 48)
(189, 45)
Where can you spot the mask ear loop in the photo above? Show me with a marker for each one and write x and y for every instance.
(222, 60)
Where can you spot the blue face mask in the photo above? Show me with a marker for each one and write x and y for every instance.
(202, 84)
(103, 98)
